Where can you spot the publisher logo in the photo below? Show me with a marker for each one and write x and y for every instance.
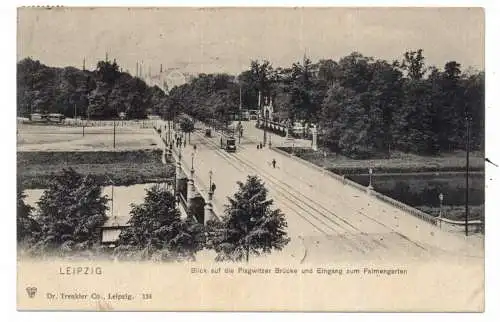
(31, 290)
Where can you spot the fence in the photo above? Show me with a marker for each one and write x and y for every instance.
(95, 123)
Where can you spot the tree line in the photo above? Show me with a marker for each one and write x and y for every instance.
(71, 211)
(103, 93)
(363, 106)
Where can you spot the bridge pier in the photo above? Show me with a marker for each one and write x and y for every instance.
(208, 210)
(178, 175)
(191, 193)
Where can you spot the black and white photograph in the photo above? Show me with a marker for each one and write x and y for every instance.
(268, 145)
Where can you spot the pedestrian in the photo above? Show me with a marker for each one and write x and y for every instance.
(213, 187)
(274, 163)
(258, 146)
(194, 147)
(184, 142)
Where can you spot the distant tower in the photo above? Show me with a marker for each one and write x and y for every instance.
(83, 67)
(161, 68)
(106, 57)
(136, 69)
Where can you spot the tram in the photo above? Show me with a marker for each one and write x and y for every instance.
(228, 143)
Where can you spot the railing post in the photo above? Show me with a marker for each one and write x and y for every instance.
(208, 210)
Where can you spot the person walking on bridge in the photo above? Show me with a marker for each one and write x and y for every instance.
(213, 187)
(274, 163)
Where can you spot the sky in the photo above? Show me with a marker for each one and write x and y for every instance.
(192, 40)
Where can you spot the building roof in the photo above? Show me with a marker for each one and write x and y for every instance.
(116, 221)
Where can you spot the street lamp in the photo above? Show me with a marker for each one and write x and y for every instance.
(441, 197)
(370, 183)
(468, 119)
(210, 173)
(192, 160)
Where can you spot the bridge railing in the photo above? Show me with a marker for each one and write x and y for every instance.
(408, 209)
(199, 187)
(476, 225)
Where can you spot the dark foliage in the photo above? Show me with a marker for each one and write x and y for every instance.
(249, 227)
(157, 231)
(70, 212)
(100, 94)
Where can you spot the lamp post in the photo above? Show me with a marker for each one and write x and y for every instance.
(370, 171)
(210, 173)
(441, 197)
(192, 160)
(112, 196)
(467, 125)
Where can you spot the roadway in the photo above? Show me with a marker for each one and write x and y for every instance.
(327, 221)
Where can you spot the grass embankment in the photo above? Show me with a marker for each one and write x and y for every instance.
(35, 169)
(397, 163)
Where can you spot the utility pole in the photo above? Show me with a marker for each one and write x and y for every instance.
(113, 200)
(83, 67)
(114, 134)
(467, 124)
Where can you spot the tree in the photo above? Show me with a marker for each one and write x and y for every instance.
(249, 225)
(187, 126)
(157, 231)
(99, 94)
(413, 64)
(70, 212)
(27, 226)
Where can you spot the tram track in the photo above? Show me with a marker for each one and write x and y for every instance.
(329, 227)
(366, 243)
(338, 197)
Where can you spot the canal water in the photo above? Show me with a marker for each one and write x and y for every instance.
(423, 189)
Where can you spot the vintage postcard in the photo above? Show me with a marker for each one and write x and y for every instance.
(250, 159)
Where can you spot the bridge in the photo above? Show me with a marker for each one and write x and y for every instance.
(329, 217)
(326, 213)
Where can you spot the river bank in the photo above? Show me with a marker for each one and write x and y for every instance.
(36, 168)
